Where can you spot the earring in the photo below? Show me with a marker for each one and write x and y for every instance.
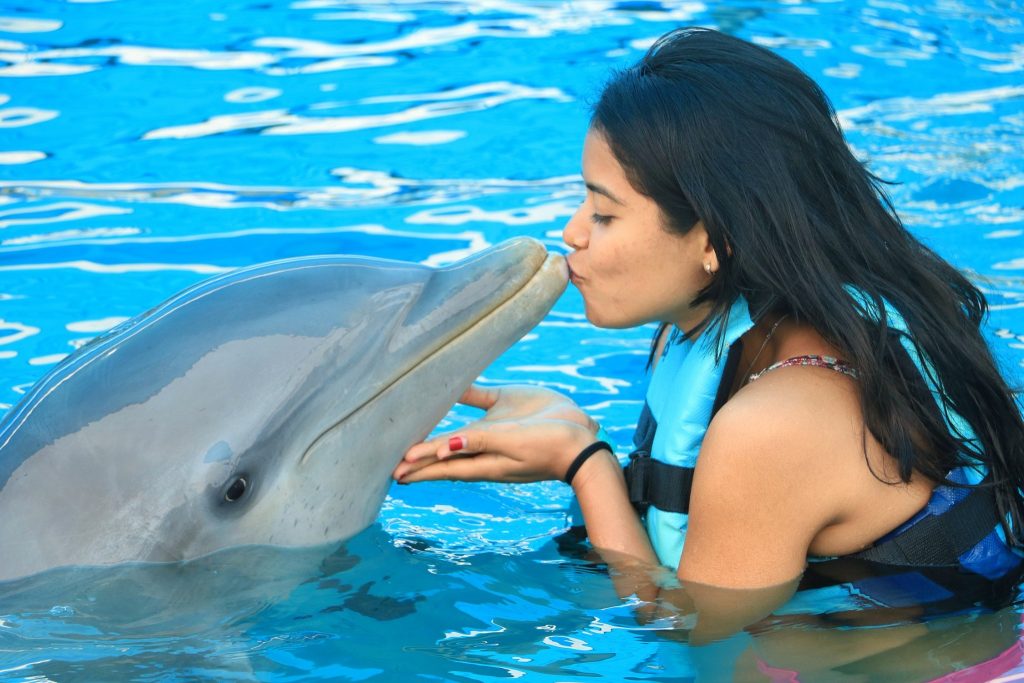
(707, 268)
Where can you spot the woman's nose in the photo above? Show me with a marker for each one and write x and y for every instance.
(575, 233)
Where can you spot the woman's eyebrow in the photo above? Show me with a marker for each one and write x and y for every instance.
(601, 190)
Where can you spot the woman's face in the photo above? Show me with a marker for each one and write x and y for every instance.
(629, 269)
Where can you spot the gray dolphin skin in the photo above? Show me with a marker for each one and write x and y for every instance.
(267, 406)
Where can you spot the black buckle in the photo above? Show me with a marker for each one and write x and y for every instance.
(637, 473)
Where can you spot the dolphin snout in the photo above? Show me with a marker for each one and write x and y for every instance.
(460, 295)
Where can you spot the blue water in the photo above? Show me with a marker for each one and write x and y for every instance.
(145, 145)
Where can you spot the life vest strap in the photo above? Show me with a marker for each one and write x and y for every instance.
(651, 481)
(940, 540)
(934, 541)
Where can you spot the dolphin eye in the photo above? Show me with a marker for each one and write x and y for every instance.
(236, 490)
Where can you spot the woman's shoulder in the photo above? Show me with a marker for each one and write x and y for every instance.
(795, 441)
(804, 403)
(794, 421)
(771, 476)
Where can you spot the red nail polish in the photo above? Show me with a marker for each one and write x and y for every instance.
(456, 443)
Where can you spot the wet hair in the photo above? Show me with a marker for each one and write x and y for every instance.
(718, 130)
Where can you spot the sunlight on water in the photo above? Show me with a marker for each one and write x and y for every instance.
(148, 146)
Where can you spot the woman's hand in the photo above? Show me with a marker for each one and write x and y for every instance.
(528, 434)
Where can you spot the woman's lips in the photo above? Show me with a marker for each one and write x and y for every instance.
(573, 276)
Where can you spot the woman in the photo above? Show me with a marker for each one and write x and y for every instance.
(820, 383)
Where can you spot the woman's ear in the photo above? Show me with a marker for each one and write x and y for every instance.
(709, 257)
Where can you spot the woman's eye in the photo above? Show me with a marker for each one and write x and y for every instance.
(600, 219)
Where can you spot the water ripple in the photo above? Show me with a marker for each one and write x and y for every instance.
(117, 268)
(424, 37)
(1005, 62)
(57, 212)
(13, 158)
(943, 104)
(462, 215)
(278, 55)
(475, 98)
(254, 94)
(42, 62)
(22, 25)
(95, 326)
(16, 117)
(421, 138)
(69, 236)
(359, 188)
(11, 332)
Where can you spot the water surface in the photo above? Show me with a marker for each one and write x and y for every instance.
(147, 145)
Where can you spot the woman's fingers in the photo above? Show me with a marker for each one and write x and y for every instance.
(471, 441)
(480, 454)
(524, 437)
(404, 468)
(479, 397)
(440, 447)
(422, 450)
(485, 467)
(417, 457)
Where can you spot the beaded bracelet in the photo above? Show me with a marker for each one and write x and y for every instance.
(582, 458)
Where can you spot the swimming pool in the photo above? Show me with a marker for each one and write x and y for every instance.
(145, 146)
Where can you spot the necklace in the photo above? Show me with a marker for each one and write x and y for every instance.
(767, 338)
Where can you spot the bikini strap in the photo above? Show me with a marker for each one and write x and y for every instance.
(830, 362)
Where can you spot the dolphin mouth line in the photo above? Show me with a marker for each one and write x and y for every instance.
(546, 263)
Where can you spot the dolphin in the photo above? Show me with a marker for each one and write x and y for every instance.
(266, 406)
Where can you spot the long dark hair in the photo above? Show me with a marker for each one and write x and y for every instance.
(716, 129)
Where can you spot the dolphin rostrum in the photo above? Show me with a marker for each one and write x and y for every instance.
(267, 406)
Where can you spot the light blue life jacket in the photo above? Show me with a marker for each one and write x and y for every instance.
(680, 398)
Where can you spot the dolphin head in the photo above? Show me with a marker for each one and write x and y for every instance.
(266, 406)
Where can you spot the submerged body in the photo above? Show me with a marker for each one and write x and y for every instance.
(266, 406)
